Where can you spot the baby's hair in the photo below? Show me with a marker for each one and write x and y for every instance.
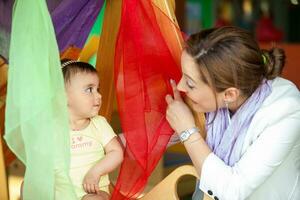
(72, 67)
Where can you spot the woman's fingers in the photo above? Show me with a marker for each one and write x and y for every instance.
(169, 99)
(176, 93)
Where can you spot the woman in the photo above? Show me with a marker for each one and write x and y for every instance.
(252, 149)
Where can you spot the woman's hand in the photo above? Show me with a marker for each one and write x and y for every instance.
(178, 113)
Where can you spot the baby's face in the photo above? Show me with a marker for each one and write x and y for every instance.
(84, 99)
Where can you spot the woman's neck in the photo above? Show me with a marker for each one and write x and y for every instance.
(234, 106)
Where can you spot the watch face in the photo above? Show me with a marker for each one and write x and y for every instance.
(187, 133)
(184, 136)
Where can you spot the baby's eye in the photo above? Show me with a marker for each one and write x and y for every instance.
(89, 90)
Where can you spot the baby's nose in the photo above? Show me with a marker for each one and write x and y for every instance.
(98, 96)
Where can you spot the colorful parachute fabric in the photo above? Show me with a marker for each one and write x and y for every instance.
(72, 21)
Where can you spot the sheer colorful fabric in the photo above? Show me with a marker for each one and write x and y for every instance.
(144, 64)
(36, 113)
(72, 21)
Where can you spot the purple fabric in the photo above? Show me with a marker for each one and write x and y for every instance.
(73, 21)
(226, 138)
(5, 25)
(6, 14)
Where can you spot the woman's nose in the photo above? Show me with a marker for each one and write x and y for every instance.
(180, 86)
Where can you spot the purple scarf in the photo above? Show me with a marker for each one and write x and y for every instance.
(226, 139)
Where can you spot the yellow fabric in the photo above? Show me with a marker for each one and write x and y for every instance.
(87, 148)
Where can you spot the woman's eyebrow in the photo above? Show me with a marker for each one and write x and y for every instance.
(189, 77)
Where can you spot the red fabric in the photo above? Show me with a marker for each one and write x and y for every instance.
(144, 64)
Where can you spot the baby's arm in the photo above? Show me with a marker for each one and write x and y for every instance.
(113, 158)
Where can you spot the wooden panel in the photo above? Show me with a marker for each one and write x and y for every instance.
(3, 75)
(167, 188)
(8, 155)
(3, 177)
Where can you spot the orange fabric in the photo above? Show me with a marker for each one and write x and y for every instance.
(71, 52)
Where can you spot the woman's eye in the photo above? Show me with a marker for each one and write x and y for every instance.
(189, 84)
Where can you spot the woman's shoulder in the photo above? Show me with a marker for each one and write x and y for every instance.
(282, 103)
(285, 96)
(279, 112)
(283, 84)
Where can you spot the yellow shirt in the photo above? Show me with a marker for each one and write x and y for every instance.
(87, 148)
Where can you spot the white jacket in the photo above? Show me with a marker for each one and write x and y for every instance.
(270, 165)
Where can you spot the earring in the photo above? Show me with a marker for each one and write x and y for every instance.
(228, 113)
(226, 104)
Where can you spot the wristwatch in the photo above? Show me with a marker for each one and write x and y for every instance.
(184, 135)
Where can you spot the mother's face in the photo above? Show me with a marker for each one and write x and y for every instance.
(191, 83)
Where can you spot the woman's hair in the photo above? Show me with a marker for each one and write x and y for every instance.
(72, 67)
(230, 57)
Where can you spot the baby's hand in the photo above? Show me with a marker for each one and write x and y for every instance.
(91, 181)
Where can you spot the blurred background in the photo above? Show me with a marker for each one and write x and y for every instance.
(272, 22)
(268, 20)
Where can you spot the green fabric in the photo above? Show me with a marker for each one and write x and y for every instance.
(36, 126)
(97, 27)
(96, 30)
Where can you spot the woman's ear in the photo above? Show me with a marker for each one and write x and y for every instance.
(231, 94)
